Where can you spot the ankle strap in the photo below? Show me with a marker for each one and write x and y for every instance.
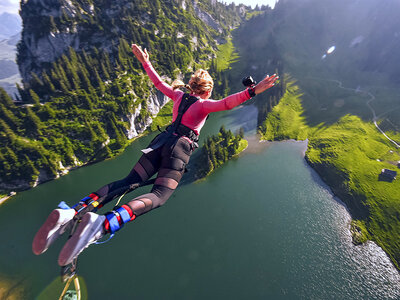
(117, 218)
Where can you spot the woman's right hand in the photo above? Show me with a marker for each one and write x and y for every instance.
(141, 55)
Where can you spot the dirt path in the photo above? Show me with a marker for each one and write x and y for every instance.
(372, 98)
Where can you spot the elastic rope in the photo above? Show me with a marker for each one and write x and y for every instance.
(121, 198)
(77, 287)
(103, 242)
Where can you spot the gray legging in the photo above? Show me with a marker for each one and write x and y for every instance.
(168, 161)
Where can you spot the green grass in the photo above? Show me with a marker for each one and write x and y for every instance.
(243, 144)
(226, 55)
(163, 118)
(253, 14)
(349, 156)
(286, 120)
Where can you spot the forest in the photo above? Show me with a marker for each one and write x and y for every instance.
(218, 149)
(79, 109)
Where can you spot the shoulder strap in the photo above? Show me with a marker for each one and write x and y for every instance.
(186, 102)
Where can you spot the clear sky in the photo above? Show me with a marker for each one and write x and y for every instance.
(12, 6)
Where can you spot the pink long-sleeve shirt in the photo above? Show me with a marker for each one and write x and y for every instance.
(196, 115)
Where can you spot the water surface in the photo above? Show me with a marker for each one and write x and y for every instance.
(262, 227)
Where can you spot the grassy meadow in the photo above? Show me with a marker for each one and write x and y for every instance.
(226, 55)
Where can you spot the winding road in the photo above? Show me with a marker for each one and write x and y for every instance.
(372, 98)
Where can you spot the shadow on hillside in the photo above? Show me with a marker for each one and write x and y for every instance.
(385, 178)
(325, 102)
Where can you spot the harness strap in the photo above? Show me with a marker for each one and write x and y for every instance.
(63, 205)
(89, 200)
(186, 102)
(117, 218)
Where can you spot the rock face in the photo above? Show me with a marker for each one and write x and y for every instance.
(43, 42)
(207, 18)
(154, 104)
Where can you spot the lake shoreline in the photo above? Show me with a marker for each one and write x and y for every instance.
(333, 191)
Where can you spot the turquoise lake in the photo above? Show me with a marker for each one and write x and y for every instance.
(264, 226)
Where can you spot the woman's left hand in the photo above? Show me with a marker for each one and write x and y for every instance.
(265, 84)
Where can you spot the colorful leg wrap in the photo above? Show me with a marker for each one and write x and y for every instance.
(116, 219)
(90, 200)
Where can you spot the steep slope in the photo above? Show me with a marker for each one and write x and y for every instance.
(84, 95)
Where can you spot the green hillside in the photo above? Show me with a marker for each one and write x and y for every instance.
(80, 108)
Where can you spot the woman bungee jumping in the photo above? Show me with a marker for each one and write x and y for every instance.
(167, 155)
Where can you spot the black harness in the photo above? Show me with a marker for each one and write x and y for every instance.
(176, 128)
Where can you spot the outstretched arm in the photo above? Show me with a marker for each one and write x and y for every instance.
(165, 88)
(238, 98)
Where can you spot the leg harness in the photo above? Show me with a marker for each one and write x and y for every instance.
(118, 217)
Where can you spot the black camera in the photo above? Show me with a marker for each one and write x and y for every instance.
(248, 81)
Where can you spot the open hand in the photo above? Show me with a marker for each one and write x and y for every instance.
(265, 84)
(141, 55)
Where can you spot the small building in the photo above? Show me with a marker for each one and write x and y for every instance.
(389, 174)
(398, 164)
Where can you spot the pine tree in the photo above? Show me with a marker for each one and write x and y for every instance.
(12, 160)
(68, 151)
(6, 99)
(49, 112)
(47, 82)
(28, 169)
(24, 95)
(100, 83)
(62, 77)
(72, 72)
(73, 57)
(101, 133)
(36, 83)
(7, 136)
(104, 71)
(33, 123)
(84, 75)
(8, 116)
(107, 152)
(85, 100)
(34, 97)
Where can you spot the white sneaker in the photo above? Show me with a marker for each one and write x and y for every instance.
(54, 226)
(89, 230)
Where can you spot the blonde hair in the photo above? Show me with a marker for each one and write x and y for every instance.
(200, 82)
